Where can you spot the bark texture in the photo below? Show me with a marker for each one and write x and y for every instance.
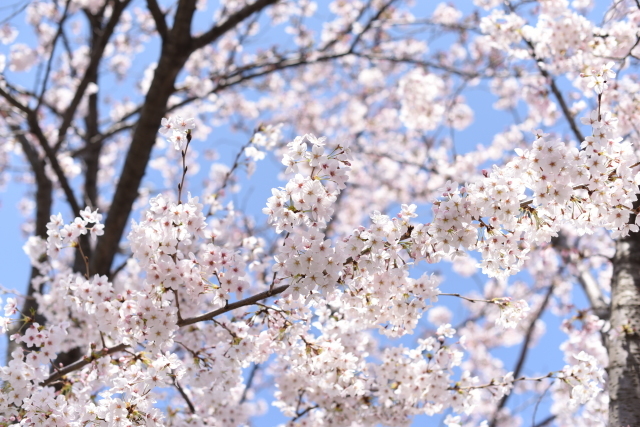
(624, 350)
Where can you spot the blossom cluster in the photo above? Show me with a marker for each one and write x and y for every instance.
(584, 377)
(203, 306)
(598, 78)
(511, 312)
(305, 200)
(364, 277)
(62, 235)
(531, 197)
(176, 129)
(383, 294)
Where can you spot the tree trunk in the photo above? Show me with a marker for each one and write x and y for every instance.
(624, 348)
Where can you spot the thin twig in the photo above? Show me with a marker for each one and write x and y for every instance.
(466, 298)
(85, 259)
(535, 409)
(192, 408)
(523, 353)
(184, 167)
(303, 413)
(252, 375)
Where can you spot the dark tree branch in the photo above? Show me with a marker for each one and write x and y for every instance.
(181, 31)
(303, 413)
(96, 55)
(546, 421)
(242, 303)
(175, 52)
(158, 17)
(59, 373)
(230, 23)
(552, 83)
(347, 30)
(247, 387)
(192, 408)
(34, 128)
(562, 102)
(172, 59)
(13, 101)
(44, 186)
(67, 47)
(53, 49)
(369, 24)
(93, 149)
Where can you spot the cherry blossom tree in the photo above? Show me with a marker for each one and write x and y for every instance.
(155, 298)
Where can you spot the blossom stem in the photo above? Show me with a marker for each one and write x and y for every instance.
(184, 167)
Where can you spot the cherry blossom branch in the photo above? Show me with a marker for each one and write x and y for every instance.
(176, 49)
(376, 17)
(114, 130)
(538, 401)
(495, 383)
(347, 29)
(185, 322)
(422, 63)
(82, 363)
(17, 12)
(27, 93)
(554, 88)
(13, 101)
(237, 76)
(234, 166)
(241, 38)
(303, 413)
(231, 22)
(471, 300)
(229, 307)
